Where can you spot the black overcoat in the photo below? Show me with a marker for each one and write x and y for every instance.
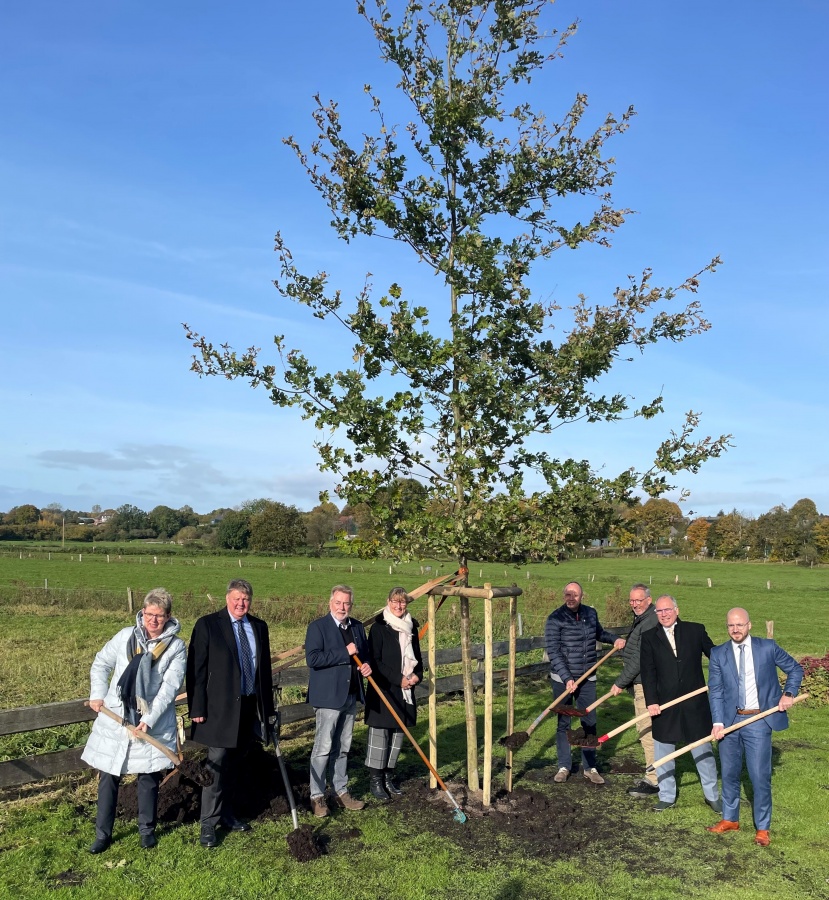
(666, 677)
(386, 663)
(214, 679)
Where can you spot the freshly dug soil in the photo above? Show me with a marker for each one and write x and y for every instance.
(259, 794)
(571, 711)
(578, 738)
(516, 740)
(302, 844)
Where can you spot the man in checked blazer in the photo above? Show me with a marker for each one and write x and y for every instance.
(758, 659)
(230, 695)
(335, 684)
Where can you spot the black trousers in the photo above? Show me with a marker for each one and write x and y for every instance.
(108, 801)
(223, 764)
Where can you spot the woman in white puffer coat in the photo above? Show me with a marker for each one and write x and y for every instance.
(136, 675)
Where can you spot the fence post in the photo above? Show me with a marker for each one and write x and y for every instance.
(129, 599)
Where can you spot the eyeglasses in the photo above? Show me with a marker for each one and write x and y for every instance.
(155, 616)
(398, 602)
(737, 625)
(661, 612)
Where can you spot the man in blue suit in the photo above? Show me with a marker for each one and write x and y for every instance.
(335, 685)
(742, 681)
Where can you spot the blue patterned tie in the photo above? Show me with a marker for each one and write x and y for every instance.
(741, 682)
(246, 660)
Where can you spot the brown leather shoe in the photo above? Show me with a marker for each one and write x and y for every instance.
(762, 838)
(346, 801)
(722, 826)
(319, 807)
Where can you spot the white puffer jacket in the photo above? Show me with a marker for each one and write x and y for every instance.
(110, 747)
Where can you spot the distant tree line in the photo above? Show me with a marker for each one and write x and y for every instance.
(799, 534)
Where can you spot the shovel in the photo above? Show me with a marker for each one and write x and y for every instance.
(459, 814)
(519, 738)
(645, 715)
(142, 736)
(574, 739)
(707, 740)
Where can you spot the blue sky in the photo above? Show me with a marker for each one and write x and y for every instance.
(142, 178)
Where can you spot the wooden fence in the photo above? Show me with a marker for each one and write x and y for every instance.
(17, 772)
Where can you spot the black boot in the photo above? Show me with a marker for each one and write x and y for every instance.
(376, 778)
(392, 789)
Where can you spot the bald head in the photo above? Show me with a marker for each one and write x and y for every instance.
(738, 623)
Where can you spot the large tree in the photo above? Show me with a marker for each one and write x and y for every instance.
(464, 389)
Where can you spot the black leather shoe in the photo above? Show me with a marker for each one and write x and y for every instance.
(100, 844)
(207, 838)
(234, 825)
(148, 841)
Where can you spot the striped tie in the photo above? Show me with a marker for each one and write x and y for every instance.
(246, 660)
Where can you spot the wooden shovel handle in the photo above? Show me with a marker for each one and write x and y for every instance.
(560, 697)
(403, 728)
(599, 702)
(142, 736)
(707, 740)
(645, 715)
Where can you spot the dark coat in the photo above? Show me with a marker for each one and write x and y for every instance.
(214, 679)
(631, 654)
(330, 665)
(666, 677)
(570, 639)
(386, 663)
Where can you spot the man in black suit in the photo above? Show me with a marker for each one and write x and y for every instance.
(230, 695)
(670, 666)
(335, 684)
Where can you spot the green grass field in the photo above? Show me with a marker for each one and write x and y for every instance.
(47, 641)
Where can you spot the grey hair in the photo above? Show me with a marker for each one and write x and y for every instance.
(342, 589)
(641, 587)
(397, 593)
(239, 584)
(668, 597)
(160, 598)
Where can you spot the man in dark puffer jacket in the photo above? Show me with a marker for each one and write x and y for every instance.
(570, 635)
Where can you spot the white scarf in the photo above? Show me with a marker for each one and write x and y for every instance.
(403, 626)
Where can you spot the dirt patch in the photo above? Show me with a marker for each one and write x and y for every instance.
(66, 879)
(516, 740)
(260, 792)
(302, 844)
(578, 738)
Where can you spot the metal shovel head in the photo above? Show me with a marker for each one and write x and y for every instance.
(460, 816)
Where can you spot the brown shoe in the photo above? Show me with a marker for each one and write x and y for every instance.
(562, 775)
(319, 807)
(593, 776)
(722, 826)
(762, 838)
(346, 801)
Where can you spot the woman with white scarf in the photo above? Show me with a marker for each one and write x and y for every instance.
(397, 667)
(136, 675)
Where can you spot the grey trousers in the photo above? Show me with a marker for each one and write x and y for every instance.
(383, 747)
(706, 767)
(332, 741)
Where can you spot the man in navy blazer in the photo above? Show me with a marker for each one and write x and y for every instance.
(335, 684)
(742, 681)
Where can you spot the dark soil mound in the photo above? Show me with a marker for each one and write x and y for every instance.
(302, 844)
(578, 738)
(260, 792)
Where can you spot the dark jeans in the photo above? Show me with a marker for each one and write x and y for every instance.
(108, 801)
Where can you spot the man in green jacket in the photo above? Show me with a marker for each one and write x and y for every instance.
(644, 618)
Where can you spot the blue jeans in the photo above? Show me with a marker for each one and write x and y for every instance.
(706, 767)
(581, 698)
(332, 742)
